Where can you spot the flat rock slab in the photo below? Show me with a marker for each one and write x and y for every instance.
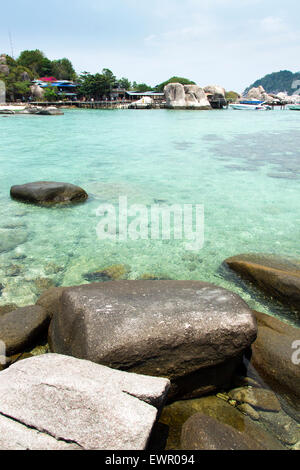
(48, 192)
(160, 328)
(58, 402)
(275, 275)
(20, 327)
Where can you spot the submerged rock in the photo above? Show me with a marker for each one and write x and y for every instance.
(11, 239)
(191, 332)
(277, 276)
(57, 402)
(46, 192)
(201, 432)
(21, 327)
(256, 397)
(43, 284)
(112, 273)
(174, 416)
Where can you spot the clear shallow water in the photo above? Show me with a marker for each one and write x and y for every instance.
(244, 168)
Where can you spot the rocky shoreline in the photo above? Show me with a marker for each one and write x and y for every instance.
(200, 343)
(150, 364)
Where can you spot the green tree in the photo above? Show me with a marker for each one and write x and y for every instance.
(232, 96)
(141, 87)
(33, 60)
(124, 83)
(50, 93)
(46, 68)
(17, 81)
(183, 81)
(63, 69)
(96, 86)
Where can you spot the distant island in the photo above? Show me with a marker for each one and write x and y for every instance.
(277, 82)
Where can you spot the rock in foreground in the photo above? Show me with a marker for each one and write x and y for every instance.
(277, 276)
(21, 327)
(48, 192)
(172, 329)
(272, 357)
(55, 402)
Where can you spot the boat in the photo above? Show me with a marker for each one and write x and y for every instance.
(250, 107)
(294, 107)
(8, 109)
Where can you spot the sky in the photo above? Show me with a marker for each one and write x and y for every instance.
(231, 43)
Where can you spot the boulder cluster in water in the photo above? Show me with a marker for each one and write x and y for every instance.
(260, 94)
(93, 366)
(180, 96)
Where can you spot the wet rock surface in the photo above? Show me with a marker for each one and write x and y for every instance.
(258, 398)
(277, 276)
(48, 192)
(175, 415)
(21, 327)
(163, 328)
(56, 402)
(272, 357)
(201, 432)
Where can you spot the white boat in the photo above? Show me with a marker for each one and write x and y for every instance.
(250, 107)
(294, 107)
(7, 109)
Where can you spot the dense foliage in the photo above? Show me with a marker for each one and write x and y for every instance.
(41, 66)
(283, 81)
(33, 64)
(17, 80)
(183, 81)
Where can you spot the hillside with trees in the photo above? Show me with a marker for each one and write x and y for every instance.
(183, 81)
(277, 82)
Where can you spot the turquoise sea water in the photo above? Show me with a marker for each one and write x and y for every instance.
(244, 167)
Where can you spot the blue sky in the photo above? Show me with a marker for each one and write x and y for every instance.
(226, 42)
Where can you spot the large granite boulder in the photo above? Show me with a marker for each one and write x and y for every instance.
(272, 357)
(175, 95)
(191, 332)
(55, 402)
(185, 97)
(4, 68)
(259, 94)
(195, 97)
(21, 327)
(48, 192)
(37, 91)
(215, 90)
(277, 276)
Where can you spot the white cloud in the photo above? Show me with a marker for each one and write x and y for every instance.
(272, 24)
